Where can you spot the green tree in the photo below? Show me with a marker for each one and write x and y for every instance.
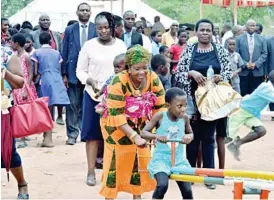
(189, 11)
(10, 7)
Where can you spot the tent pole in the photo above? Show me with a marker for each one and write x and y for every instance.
(235, 5)
(122, 7)
(201, 9)
(111, 6)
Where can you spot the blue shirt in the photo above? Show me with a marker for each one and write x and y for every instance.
(165, 82)
(155, 48)
(127, 38)
(259, 99)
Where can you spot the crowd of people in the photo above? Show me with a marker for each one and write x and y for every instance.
(122, 89)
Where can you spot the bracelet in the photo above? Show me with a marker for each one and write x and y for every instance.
(133, 135)
(3, 73)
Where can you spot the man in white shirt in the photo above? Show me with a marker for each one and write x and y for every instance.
(227, 32)
(146, 41)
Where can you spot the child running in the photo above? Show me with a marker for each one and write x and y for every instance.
(119, 66)
(47, 70)
(160, 66)
(172, 124)
(249, 115)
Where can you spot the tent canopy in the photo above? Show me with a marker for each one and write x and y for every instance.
(240, 3)
(61, 11)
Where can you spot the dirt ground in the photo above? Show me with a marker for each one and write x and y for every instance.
(60, 172)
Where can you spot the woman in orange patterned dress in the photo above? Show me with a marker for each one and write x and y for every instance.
(133, 97)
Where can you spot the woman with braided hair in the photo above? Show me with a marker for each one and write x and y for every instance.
(134, 96)
(95, 66)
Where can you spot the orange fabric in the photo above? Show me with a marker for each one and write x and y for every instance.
(125, 165)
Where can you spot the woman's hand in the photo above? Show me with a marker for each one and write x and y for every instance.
(162, 139)
(187, 138)
(140, 142)
(198, 77)
(217, 78)
(93, 84)
(65, 80)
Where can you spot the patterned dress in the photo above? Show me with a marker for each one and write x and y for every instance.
(125, 164)
(18, 92)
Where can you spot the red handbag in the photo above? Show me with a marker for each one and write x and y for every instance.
(30, 118)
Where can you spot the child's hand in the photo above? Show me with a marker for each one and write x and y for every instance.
(187, 138)
(140, 142)
(162, 139)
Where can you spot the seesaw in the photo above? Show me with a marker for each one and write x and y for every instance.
(244, 182)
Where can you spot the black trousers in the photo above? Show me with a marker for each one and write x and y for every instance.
(162, 186)
(271, 106)
(204, 132)
(249, 83)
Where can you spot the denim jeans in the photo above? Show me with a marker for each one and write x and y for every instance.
(74, 111)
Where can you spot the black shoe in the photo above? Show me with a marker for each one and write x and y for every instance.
(211, 186)
(99, 165)
(71, 141)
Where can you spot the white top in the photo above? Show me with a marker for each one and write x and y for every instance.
(227, 35)
(81, 28)
(147, 43)
(96, 61)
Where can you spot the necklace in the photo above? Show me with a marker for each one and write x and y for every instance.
(137, 91)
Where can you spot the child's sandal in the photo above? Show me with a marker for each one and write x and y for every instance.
(22, 196)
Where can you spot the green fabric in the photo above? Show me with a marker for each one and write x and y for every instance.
(116, 97)
(135, 177)
(110, 129)
(115, 80)
(156, 82)
(111, 179)
(160, 93)
(240, 118)
(137, 54)
(116, 111)
(125, 141)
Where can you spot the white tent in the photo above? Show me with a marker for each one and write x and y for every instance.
(61, 11)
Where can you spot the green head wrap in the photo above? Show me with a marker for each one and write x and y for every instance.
(137, 54)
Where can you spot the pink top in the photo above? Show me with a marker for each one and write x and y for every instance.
(176, 50)
(18, 92)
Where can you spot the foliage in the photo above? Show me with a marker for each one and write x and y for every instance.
(188, 11)
(10, 7)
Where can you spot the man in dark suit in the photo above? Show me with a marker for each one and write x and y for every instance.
(253, 50)
(131, 37)
(44, 23)
(270, 63)
(74, 38)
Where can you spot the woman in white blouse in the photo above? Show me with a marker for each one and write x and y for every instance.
(95, 66)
